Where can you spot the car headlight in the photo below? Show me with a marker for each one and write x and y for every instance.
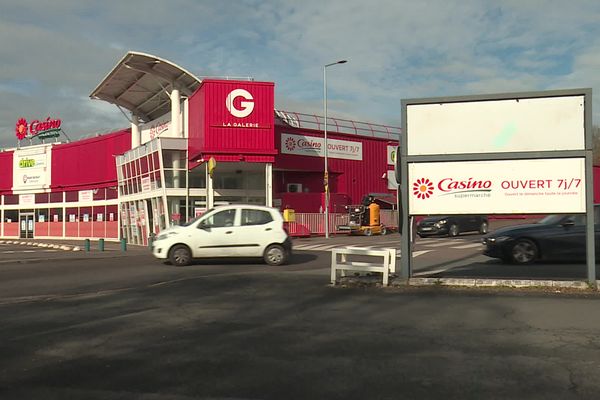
(443, 222)
(498, 239)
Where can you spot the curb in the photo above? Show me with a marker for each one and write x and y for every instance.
(371, 280)
(44, 245)
(487, 283)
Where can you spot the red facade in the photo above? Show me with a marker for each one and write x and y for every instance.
(349, 180)
(6, 176)
(232, 121)
(89, 163)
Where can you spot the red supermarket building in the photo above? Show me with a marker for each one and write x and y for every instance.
(191, 144)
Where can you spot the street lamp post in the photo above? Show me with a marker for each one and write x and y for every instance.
(326, 174)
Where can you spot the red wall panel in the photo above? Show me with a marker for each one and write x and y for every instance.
(41, 228)
(232, 120)
(11, 229)
(6, 176)
(112, 229)
(88, 163)
(347, 177)
(56, 229)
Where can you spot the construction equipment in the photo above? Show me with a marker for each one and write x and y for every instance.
(363, 219)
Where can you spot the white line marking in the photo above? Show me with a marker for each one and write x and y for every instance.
(309, 247)
(439, 244)
(419, 252)
(323, 248)
(468, 246)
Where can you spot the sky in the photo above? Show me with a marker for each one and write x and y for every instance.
(54, 53)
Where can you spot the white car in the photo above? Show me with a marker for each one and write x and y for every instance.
(227, 231)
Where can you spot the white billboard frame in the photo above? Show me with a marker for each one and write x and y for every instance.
(556, 149)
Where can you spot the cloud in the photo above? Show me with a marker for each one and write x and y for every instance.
(54, 56)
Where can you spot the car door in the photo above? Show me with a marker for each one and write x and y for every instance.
(257, 230)
(217, 235)
(465, 222)
(566, 240)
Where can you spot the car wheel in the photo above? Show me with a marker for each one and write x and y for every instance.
(180, 256)
(275, 255)
(383, 231)
(368, 232)
(483, 228)
(524, 252)
(453, 230)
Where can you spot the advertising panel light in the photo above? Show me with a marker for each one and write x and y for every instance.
(497, 187)
(496, 126)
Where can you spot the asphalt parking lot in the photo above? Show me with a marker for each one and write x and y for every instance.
(134, 328)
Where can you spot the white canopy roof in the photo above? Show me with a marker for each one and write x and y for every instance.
(141, 83)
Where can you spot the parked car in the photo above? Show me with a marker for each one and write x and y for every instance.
(555, 237)
(227, 231)
(452, 225)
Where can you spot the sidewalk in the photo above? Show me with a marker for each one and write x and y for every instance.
(38, 250)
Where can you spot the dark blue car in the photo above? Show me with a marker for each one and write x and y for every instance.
(555, 237)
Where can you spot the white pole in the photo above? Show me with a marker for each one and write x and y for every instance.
(135, 131)
(326, 174)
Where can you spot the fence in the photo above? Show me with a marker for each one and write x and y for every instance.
(308, 224)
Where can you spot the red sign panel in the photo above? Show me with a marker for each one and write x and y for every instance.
(232, 120)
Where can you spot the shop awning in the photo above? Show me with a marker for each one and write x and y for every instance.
(142, 83)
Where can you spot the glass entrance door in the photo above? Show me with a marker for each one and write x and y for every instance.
(26, 225)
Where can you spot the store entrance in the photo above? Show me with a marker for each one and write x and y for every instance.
(26, 225)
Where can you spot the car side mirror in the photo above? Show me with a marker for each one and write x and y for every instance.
(204, 225)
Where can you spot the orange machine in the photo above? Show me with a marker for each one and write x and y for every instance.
(364, 219)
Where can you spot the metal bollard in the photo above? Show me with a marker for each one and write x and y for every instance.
(86, 244)
(101, 244)
(123, 244)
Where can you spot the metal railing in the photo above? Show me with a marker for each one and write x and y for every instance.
(338, 125)
(308, 224)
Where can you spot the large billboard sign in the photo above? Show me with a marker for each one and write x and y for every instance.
(31, 168)
(315, 147)
(500, 187)
(505, 153)
(496, 126)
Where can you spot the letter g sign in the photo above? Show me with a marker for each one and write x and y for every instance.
(247, 106)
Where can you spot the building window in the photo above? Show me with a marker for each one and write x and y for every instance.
(41, 198)
(72, 197)
(56, 215)
(41, 215)
(56, 197)
(11, 215)
(10, 199)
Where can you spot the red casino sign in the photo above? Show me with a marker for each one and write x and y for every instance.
(48, 128)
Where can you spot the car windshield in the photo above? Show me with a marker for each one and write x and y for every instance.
(191, 221)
